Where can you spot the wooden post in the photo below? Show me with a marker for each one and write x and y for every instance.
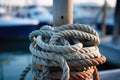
(62, 12)
(104, 19)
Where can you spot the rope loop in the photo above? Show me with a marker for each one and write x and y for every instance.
(68, 52)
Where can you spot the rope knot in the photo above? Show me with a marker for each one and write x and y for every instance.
(68, 52)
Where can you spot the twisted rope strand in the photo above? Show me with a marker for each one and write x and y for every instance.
(24, 73)
(80, 27)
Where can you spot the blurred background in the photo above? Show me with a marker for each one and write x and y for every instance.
(20, 17)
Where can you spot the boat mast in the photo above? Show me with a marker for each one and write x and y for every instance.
(116, 33)
(104, 18)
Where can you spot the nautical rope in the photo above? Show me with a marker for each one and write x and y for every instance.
(67, 52)
(27, 69)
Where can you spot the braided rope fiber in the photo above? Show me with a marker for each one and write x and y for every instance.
(68, 52)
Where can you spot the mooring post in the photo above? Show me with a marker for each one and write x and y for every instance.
(62, 12)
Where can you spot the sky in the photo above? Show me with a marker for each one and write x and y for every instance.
(50, 2)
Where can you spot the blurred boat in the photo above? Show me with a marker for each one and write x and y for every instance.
(83, 13)
(109, 21)
(2, 11)
(110, 50)
(16, 28)
(35, 13)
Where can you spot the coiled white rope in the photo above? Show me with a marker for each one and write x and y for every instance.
(64, 46)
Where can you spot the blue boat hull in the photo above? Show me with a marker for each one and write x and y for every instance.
(16, 32)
